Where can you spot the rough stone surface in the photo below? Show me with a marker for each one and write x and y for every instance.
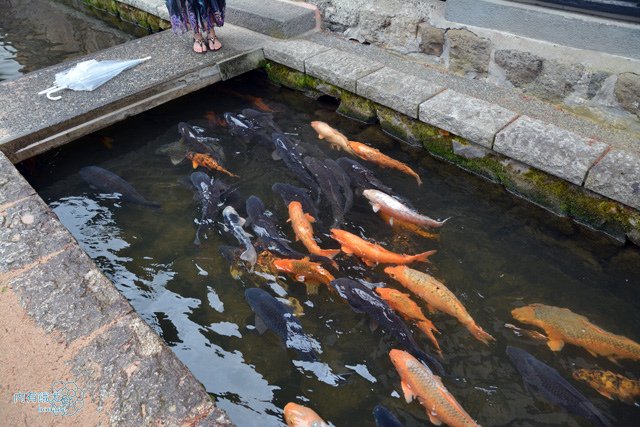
(596, 80)
(61, 292)
(471, 118)
(627, 91)
(617, 176)
(240, 64)
(468, 54)
(293, 53)
(22, 243)
(340, 68)
(12, 185)
(396, 90)
(469, 151)
(549, 148)
(431, 39)
(556, 80)
(271, 17)
(521, 68)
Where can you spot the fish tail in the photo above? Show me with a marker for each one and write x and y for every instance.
(423, 257)
(480, 334)
(329, 253)
(428, 328)
(250, 256)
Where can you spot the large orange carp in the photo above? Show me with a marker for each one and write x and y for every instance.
(206, 161)
(301, 224)
(417, 381)
(394, 208)
(404, 305)
(562, 325)
(374, 155)
(400, 225)
(610, 385)
(437, 297)
(300, 416)
(372, 254)
(337, 140)
(310, 273)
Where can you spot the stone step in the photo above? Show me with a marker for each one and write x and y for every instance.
(271, 17)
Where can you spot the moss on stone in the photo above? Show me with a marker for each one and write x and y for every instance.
(288, 77)
(355, 106)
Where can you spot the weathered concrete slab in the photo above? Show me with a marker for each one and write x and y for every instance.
(240, 64)
(12, 185)
(293, 53)
(549, 148)
(23, 226)
(617, 176)
(174, 70)
(340, 68)
(271, 17)
(396, 90)
(465, 116)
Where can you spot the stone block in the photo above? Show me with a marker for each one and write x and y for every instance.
(340, 68)
(520, 68)
(22, 227)
(556, 80)
(12, 185)
(468, 53)
(617, 176)
(549, 148)
(396, 90)
(60, 293)
(471, 118)
(271, 17)
(431, 39)
(293, 53)
(240, 64)
(627, 91)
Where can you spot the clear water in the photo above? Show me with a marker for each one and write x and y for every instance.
(497, 252)
(38, 33)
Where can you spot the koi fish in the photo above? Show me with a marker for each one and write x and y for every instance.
(398, 224)
(397, 210)
(108, 182)
(300, 416)
(215, 120)
(198, 159)
(417, 381)
(293, 157)
(235, 222)
(289, 193)
(533, 335)
(261, 105)
(562, 325)
(437, 297)
(310, 273)
(374, 155)
(547, 382)
(610, 385)
(371, 253)
(301, 224)
(336, 140)
(408, 309)
(385, 418)
(329, 186)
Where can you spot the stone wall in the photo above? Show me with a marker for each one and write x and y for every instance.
(603, 87)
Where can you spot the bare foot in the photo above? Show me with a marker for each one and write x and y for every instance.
(212, 41)
(199, 45)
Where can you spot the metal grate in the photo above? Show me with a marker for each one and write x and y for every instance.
(628, 10)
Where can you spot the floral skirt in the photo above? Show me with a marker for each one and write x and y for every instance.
(196, 15)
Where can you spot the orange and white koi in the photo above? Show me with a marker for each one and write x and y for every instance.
(337, 140)
(408, 309)
(372, 254)
(437, 297)
(301, 224)
(204, 160)
(417, 381)
(300, 416)
(397, 210)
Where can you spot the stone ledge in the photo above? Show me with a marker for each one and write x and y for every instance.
(471, 118)
(293, 53)
(12, 185)
(617, 176)
(396, 90)
(271, 17)
(340, 68)
(549, 148)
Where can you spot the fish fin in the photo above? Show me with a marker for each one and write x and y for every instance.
(481, 335)
(275, 156)
(369, 263)
(391, 221)
(431, 309)
(375, 207)
(611, 359)
(406, 390)
(555, 344)
(346, 250)
(309, 217)
(261, 327)
(423, 257)
(241, 221)
(434, 419)
(300, 277)
(312, 288)
(194, 164)
(373, 325)
(235, 272)
(329, 253)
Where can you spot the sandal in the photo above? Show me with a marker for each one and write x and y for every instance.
(199, 42)
(213, 40)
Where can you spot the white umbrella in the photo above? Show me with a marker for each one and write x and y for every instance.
(88, 75)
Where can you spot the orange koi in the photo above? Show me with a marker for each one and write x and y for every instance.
(562, 325)
(398, 224)
(310, 273)
(204, 160)
(107, 141)
(336, 140)
(404, 305)
(371, 253)
(301, 224)
(374, 155)
(215, 120)
(437, 297)
(610, 385)
(417, 381)
(260, 105)
(300, 416)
